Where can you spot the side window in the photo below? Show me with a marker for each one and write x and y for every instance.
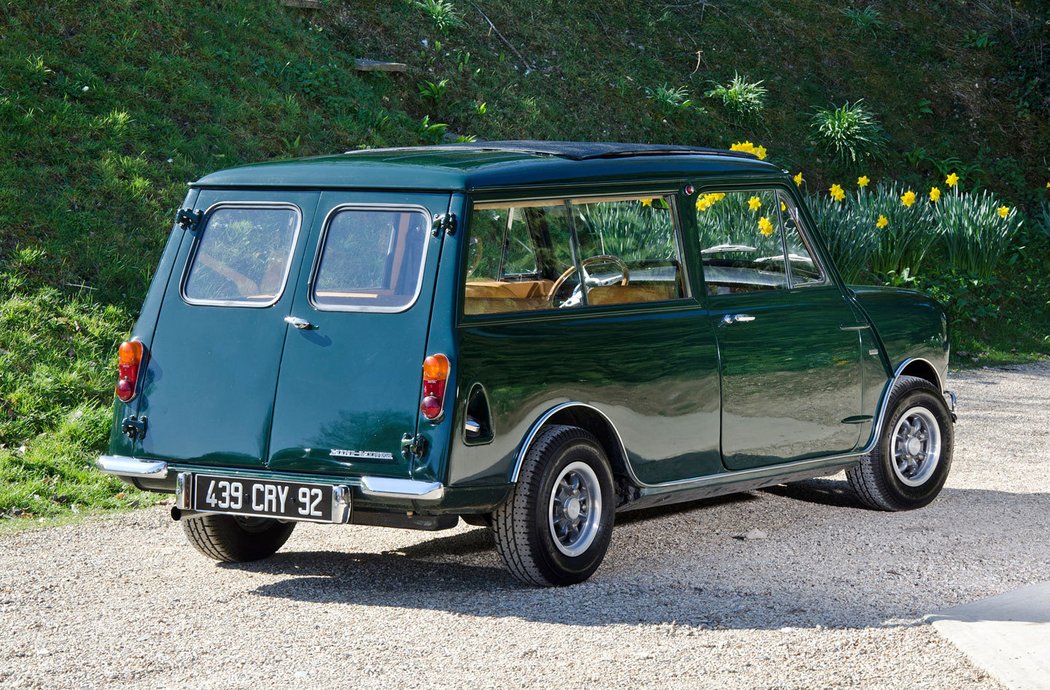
(515, 254)
(805, 269)
(242, 256)
(530, 257)
(740, 242)
(629, 251)
(371, 260)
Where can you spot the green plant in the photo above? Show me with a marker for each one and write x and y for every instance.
(867, 19)
(980, 41)
(740, 96)
(431, 132)
(433, 91)
(975, 233)
(669, 99)
(442, 12)
(850, 132)
(925, 106)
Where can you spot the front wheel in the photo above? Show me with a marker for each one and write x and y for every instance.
(236, 539)
(556, 526)
(910, 462)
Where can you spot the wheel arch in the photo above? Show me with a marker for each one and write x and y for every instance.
(586, 417)
(919, 368)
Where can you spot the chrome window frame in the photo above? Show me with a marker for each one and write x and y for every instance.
(323, 239)
(195, 249)
(803, 233)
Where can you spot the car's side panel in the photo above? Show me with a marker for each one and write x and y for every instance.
(653, 372)
(146, 325)
(908, 324)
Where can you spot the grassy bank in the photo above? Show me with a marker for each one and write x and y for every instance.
(107, 111)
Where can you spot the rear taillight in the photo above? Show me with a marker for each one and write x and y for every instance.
(129, 362)
(435, 376)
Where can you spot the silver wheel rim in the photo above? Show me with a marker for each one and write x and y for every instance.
(575, 508)
(915, 446)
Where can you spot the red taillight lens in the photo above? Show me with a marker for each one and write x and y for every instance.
(435, 376)
(129, 361)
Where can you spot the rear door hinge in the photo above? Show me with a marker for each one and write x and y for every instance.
(134, 427)
(413, 446)
(445, 223)
(188, 219)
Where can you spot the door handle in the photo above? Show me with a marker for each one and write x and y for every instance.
(301, 324)
(736, 318)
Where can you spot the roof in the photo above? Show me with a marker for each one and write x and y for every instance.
(491, 165)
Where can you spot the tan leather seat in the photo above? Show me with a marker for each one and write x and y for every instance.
(633, 293)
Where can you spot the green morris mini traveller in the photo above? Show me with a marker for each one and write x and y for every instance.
(530, 336)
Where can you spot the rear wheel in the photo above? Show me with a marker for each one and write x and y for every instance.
(556, 526)
(236, 539)
(910, 462)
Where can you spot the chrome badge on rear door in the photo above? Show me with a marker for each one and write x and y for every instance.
(361, 454)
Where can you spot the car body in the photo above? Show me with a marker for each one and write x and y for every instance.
(388, 334)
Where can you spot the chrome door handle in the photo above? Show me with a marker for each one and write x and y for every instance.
(301, 324)
(736, 318)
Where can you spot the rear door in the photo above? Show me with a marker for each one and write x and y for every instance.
(212, 371)
(349, 386)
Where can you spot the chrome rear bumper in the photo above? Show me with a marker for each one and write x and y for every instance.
(379, 487)
(132, 467)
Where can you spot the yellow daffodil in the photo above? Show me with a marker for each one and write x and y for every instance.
(951, 180)
(935, 194)
(754, 203)
(716, 196)
(702, 204)
(783, 206)
(647, 202)
(908, 198)
(836, 192)
(1047, 184)
(882, 222)
(764, 226)
(1003, 211)
(863, 181)
(799, 180)
(760, 151)
(745, 146)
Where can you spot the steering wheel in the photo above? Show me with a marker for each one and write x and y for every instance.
(625, 274)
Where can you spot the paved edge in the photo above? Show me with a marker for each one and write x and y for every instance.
(1006, 635)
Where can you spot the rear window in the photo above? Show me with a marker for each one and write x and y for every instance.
(242, 256)
(371, 260)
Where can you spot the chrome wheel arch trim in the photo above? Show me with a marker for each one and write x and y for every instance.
(721, 477)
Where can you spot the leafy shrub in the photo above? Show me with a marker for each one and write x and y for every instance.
(975, 231)
(740, 96)
(864, 20)
(433, 91)
(442, 12)
(669, 99)
(850, 132)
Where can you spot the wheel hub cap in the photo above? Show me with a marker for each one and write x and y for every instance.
(915, 446)
(575, 509)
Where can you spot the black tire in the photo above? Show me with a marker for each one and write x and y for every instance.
(523, 526)
(234, 539)
(876, 480)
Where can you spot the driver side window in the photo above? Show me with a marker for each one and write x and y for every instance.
(531, 256)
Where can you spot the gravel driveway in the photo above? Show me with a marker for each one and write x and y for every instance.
(832, 596)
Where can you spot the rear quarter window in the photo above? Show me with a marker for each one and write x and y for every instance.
(242, 256)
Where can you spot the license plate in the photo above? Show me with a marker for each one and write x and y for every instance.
(268, 498)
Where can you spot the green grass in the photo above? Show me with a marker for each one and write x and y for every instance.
(104, 115)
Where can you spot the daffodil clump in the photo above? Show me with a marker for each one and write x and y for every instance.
(748, 147)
